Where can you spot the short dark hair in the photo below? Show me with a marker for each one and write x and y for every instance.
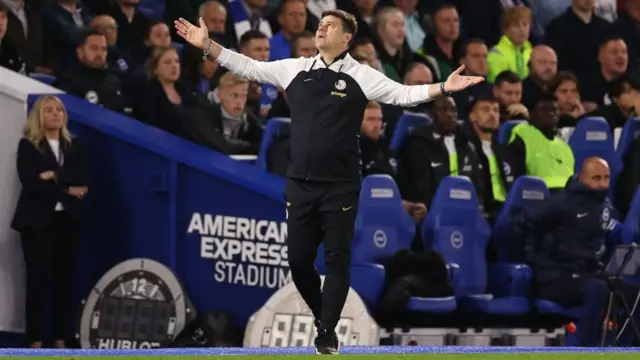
(4, 8)
(609, 38)
(486, 96)
(617, 86)
(544, 97)
(152, 24)
(561, 78)
(280, 7)
(246, 38)
(86, 35)
(294, 41)
(464, 49)
(507, 76)
(349, 22)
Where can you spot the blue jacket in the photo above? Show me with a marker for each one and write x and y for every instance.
(575, 226)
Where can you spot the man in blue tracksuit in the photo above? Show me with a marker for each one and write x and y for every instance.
(575, 228)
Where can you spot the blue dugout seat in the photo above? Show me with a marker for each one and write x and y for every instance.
(382, 229)
(630, 132)
(153, 9)
(407, 122)
(504, 132)
(271, 133)
(456, 228)
(592, 137)
(43, 78)
(527, 193)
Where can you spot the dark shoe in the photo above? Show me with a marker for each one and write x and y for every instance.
(327, 343)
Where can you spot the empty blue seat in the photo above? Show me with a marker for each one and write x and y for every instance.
(407, 122)
(153, 9)
(527, 193)
(271, 133)
(456, 228)
(630, 132)
(43, 78)
(592, 137)
(382, 228)
(504, 132)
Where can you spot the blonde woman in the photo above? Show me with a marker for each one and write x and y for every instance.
(54, 178)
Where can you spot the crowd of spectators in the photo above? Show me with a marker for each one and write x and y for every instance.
(548, 62)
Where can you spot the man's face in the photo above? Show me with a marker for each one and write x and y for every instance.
(159, 36)
(107, 26)
(485, 116)
(306, 47)
(544, 64)
(372, 124)
(596, 175)
(445, 115)
(568, 96)
(508, 93)
(93, 53)
(234, 98)
(293, 17)
(257, 49)
(544, 115)
(215, 17)
(330, 34)
(367, 51)
(447, 24)
(3, 24)
(393, 32)
(614, 57)
(420, 75)
(476, 60)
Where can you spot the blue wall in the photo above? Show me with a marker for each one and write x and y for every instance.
(145, 186)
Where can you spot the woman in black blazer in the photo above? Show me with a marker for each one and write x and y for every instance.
(54, 179)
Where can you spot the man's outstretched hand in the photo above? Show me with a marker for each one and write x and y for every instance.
(196, 36)
(456, 82)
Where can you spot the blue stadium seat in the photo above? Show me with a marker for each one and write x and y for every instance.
(382, 229)
(455, 227)
(153, 9)
(179, 47)
(526, 193)
(43, 78)
(629, 133)
(271, 132)
(407, 122)
(504, 132)
(592, 137)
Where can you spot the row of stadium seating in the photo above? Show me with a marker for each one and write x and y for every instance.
(454, 227)
(591, 137)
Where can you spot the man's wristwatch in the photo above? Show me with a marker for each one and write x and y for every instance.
(443, 91)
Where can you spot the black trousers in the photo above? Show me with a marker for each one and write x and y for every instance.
(50, 255)
(321, 212)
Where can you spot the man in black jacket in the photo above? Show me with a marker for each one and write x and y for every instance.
(435, 151)
(571, 228)
(328, 95)
(90, 79)
(482, 131)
